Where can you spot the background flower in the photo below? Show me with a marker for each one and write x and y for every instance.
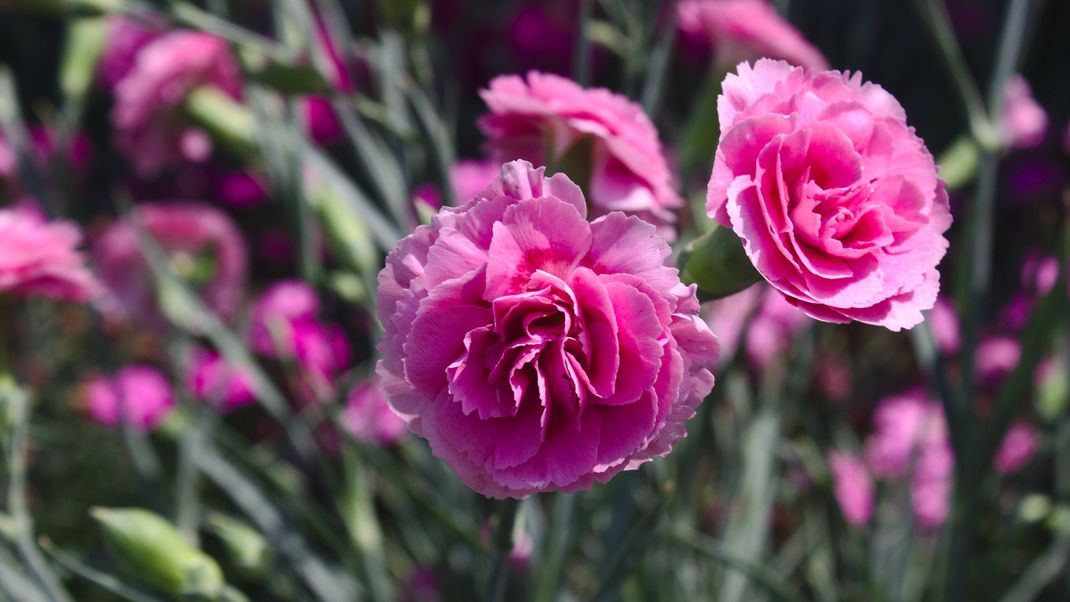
(40, 258)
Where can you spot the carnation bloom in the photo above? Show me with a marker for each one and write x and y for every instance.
(547, 119)
(745, 30)
(40, 258)
(758, 318)
(138, 396)
(1017, 449)
(853, 487)
(535, 350)
(150, 128)
(285, 325)
(126, 38)
(368, 417)
(1024, 121)
(204, 246)
(212, 380)
(836, 200)
(903, 424)
(944, 322)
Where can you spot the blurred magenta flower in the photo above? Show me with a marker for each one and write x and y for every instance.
(240, 189)
(1017, 449)
(285, 325)
(1024, 121)
(125, 40)
(930, 484)
(853, 487)
(944, 322)
(204, 246)
(468, 177)
(741, 30)
(773, 322)
(138, 396)
(598, 137)
(836, 199)
(150, 127)
(535, 350)
(210, 379)
(41, 258)
(368, 417)
(903, 425)
(997, 356)
(323, 124)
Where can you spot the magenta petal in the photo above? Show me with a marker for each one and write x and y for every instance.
(598, 327)
(640, 351)
(538, 234)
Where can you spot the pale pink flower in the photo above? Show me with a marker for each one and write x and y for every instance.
(535, 350)
(204, 246)
(853, 487)
(741, 30)
(368, 417)
(931, 483)
(836, 199)
(944, 322)
(212, 380)
(150, 127)
(138, 396)
(1017, 449)
(996, 358)
(759, 316)
(547, 119)
(903, 425)
(41, 258)
(1024, 121)
(468, 177)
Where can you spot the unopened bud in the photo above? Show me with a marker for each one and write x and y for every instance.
(245, 547)
(155, 553)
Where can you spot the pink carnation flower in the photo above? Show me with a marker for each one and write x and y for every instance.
(368, 417)
(286, 325)
(535, 350)
(1017, 449)
(1024, 121)
(903, 424)
(212, 380)
(138, 395)
(741, 30)
(836, 200)
(759, 319)
(126, 38)
(853, 487)
(547, 119)
(204, 247)
(150, 128)
(944, 322)
(40, 258)
(931, 483)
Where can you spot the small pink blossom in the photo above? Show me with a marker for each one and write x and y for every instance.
(1017, 449)
(535, 350)
(126, 38)
(835, 198)
(761, 317)
(741, 30)
(944, 323)
(931, 483)
(547, 119)
(996, 358)
(902, 425)
(368, 416)
(468, 177)
(150, 127)
(212, 380)
(138, 396)
(853, 487)
(286, 325)
(204, 246)
(241, 189)
(41, 258)
(1024, 121)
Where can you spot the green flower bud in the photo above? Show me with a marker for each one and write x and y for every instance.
(245, 547)
(154, 552)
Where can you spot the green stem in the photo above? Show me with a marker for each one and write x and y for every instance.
(718, 264)
(501, 545)
(582, 67)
